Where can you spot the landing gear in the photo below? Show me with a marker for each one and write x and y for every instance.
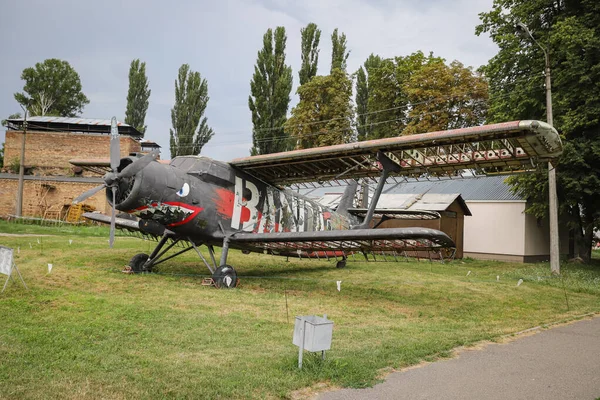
(225, 277)
(139, 263)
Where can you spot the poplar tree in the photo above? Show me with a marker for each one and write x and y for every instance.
(362, 96)
(137, 96)
(190, 131)
(339, 55)
(269, 98)
(310, 52)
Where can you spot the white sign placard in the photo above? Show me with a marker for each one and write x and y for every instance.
(6, 260)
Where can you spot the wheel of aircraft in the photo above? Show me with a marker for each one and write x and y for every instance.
(137, 263)
(225, 277)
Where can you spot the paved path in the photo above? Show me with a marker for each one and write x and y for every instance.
(559, 363)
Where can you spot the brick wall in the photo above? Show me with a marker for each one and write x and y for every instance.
(41, 195)
(53, 150)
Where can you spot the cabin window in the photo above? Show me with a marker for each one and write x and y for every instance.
(220, 171)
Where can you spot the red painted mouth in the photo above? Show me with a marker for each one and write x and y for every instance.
(170, 213)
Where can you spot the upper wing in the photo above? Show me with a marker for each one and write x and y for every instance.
(508, 146)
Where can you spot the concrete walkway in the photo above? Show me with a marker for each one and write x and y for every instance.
(559, 363)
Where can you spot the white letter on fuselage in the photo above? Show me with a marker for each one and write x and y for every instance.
(239, 203)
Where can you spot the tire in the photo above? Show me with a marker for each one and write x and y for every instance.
(137, 263)
(341, 264)
(225, 277)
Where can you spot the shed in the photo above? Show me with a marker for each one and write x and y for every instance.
(450, 206)
(499, 228)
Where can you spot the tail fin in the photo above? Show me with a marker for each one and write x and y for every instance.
(347, 200)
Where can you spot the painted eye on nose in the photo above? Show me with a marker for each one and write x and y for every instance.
(184, 191)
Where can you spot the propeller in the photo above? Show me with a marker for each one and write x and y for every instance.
(112, 179)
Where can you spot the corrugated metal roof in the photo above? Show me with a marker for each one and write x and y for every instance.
(71, 120)
(427, 201)
(74, 124)
(421, 202)
(406, 201)
(483, 188)
(330, 199)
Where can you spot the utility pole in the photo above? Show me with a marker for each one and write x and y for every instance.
(21, 169)
(552, 198)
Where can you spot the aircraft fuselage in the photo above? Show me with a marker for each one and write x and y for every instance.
(204, 199)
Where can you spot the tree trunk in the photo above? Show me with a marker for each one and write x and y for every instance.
(578, 233)
(588, 240)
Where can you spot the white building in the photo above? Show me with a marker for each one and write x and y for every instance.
(499, 228)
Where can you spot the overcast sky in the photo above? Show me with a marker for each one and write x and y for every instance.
(220, 39)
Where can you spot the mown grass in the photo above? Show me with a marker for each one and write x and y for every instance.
(86, 330)
(44, 228)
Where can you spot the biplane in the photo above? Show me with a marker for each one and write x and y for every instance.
(253, 204)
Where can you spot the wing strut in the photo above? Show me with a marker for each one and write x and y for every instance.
(388, 166)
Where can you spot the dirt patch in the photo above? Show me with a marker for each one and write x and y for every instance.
(310, 392)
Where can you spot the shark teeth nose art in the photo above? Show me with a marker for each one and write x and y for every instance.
(168, 213)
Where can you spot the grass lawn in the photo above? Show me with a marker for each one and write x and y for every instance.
(86, 330)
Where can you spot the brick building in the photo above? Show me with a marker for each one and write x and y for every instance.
(51, 180)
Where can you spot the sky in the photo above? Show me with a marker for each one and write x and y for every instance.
(219, 39)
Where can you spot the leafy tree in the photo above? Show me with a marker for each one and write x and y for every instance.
(270, 90)
(569, 31)
(388, 102)
(445, 97)
(310, 52)
(137, 97)
(52, 88)
(339, 55)
(362, 96)
(11, 116)
(324, 116)
(190, 131)
(2, 155)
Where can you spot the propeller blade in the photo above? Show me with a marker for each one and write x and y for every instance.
(115, 149)
(111, 241)
(88, 193)
(137, 165)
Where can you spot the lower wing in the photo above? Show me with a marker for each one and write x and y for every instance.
(340, 242)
